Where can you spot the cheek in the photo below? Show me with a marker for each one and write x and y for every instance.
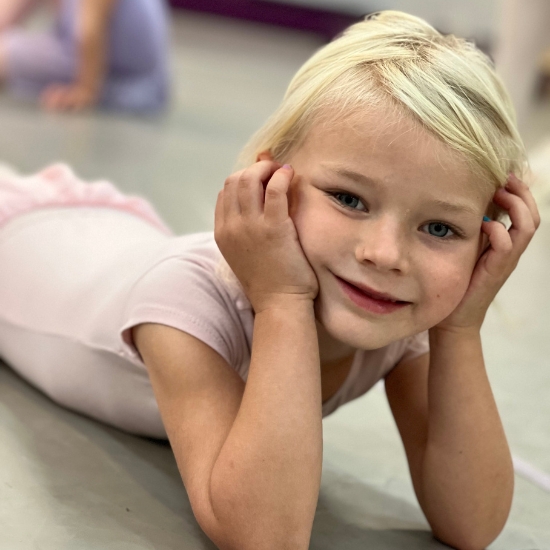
(446, 286)
(316, 228)
(311, 236)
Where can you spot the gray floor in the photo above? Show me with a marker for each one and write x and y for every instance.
(70, 483)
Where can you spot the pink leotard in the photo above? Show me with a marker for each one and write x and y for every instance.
(82, 264)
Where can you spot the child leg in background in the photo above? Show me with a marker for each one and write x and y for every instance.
(138, 77)
(135, 72)
(34, 61)
(11, 13)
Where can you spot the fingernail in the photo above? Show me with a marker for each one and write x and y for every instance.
(287, 166)
(486, 219)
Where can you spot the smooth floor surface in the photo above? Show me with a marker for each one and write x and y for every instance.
(69, 483)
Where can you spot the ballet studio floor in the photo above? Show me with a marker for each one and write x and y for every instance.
(70, 483)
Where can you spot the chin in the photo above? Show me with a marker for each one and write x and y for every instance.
(359, 333)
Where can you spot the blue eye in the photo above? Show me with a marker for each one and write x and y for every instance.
(349, 201)
(440, 230)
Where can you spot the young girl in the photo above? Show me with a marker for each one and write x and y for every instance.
(360, 241)
(111, 53)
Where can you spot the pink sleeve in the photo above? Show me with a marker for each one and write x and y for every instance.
(187, 296)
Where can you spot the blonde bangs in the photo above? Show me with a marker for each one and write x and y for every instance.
(445, 83)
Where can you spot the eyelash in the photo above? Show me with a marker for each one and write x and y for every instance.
(456, 233)
(336, 194)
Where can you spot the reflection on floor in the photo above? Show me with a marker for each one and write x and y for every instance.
(68, 482)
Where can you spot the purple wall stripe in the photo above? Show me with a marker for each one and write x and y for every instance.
(323, 22)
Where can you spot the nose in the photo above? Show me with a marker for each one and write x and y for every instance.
(383, 245)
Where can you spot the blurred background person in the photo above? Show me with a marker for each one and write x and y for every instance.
(522, 39)
(107, 53)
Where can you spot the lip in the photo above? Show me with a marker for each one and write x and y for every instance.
(370, 299)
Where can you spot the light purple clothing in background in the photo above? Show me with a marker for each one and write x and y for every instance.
(137, 77)
(78, 273)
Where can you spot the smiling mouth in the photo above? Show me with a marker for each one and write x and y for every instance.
(370, 300)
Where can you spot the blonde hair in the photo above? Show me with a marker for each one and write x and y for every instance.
(444, 82)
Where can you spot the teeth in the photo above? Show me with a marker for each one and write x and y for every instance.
(376, 297)
(380, 298)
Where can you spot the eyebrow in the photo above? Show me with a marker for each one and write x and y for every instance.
(351, 175)
(450, 207)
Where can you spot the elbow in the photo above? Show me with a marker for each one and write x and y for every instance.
(238, 521)
(469, 540)
(466, 543)
(474, 528)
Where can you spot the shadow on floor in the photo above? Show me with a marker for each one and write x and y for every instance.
(101, 485)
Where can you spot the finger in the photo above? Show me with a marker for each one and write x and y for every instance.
(252, 184)
(55, 101)
(72, 102)
(276, 200)
(523, 226)
(218, 215)
(231, 206)
(64, 102)
(55, 96)
(518, 187)
(79, 101)
(47, 97)
(498, 254)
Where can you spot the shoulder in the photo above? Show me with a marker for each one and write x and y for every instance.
(183, 290)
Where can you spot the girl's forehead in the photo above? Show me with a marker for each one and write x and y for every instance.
(387, 147)
(383, 141)
(376, 126)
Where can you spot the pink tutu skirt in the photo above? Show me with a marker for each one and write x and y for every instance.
(58, 186)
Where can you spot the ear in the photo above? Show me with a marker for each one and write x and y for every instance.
(264, 155)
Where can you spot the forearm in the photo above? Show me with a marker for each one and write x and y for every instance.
(93, 43)
(467, 471)
(265, 482)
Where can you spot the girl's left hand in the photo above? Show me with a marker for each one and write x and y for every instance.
(500, 257)
(68, 97)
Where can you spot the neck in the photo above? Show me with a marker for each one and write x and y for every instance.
(331, 351)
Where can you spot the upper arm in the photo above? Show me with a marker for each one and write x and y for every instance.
(100, 8)
(407, 393)
(198, 395)
(94, 17)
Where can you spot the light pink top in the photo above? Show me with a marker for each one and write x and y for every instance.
(93, 285)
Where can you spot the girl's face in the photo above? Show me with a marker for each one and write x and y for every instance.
(382, 204)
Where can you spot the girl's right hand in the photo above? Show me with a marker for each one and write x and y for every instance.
(258, 238)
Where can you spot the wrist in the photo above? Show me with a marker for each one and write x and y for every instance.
(456, 331)
(285, 303)
(451, 335)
